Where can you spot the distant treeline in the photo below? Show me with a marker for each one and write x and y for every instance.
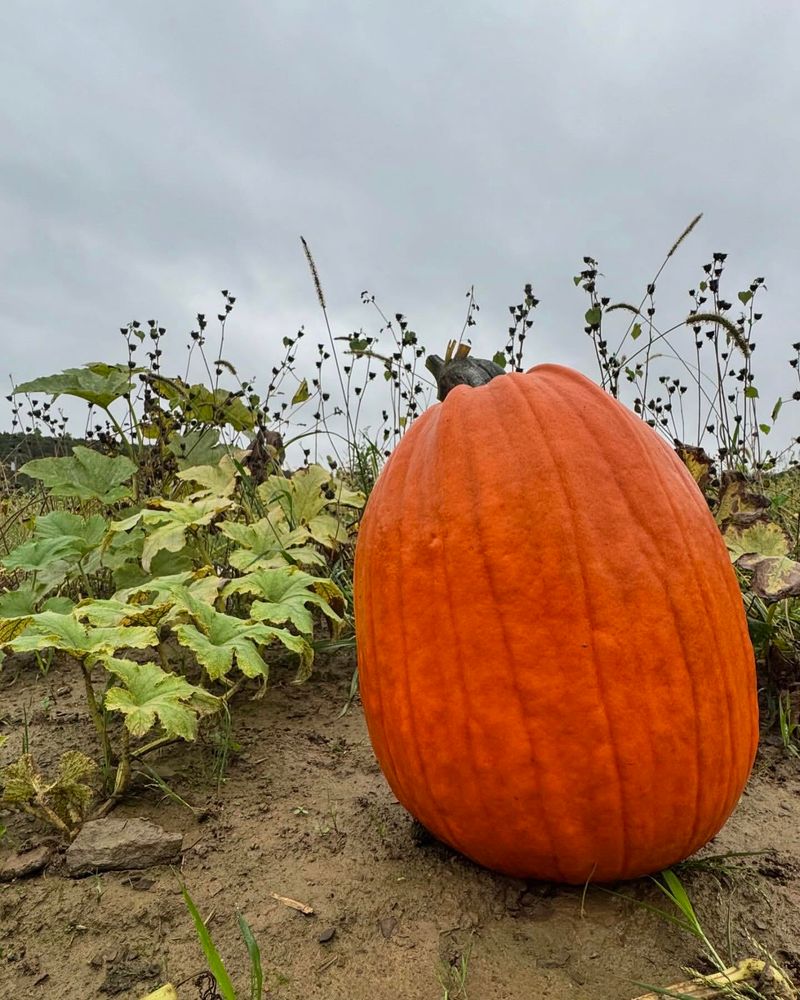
(17, 448)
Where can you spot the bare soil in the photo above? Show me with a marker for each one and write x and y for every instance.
(304, 813)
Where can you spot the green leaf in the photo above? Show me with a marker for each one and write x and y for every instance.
(217, 640)
(500, 359)
(86, 533)
(744, 297)
(594, 316)
(286, 595)
(61, 605)
(269, 542)
(776, 409)
(301, 393)
(208, 406)
(200, 447)
(254, 954)
(636, 331)
(150, 694)
(214, 962)
(98, 384)
(17, 604)
(39, 553)
(576, 280)
(751, 392)
(85, 474)
(50, 630)
(166, 523)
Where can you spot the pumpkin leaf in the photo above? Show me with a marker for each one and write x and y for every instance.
(49, 630)
(112, 613)
(197, 448)
(760, 538)
(85, 474)
(697, 462)
(202, 585)
(269, 543)
(39, 553)
(218, 640)
(217, 480)
(775, 578)
(12, 626)
(17, 603)
(738, 504)
(169, 521)
(285, 597)
(85, 533)
(151, 695)
(68, 795)
(98, 384)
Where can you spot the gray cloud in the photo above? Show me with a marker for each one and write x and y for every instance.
(155, 153)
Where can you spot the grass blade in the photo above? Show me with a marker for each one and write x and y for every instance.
(256, 973)
(215, 964)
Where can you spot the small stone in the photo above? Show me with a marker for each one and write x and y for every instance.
(326, 936)
(115, 844)
(25, 863)
(387, 925)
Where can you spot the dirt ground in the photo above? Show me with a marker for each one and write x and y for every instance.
(305, 813)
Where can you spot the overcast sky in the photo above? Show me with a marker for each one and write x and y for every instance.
(158, 151)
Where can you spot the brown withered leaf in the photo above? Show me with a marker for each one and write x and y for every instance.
(776, 578)
(699, 464)
(739, 504)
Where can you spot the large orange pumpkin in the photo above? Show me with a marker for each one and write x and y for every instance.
(553, 654)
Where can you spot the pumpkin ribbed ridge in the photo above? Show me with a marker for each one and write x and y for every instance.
(553, 655)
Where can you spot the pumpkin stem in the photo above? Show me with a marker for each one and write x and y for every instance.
(457, 368)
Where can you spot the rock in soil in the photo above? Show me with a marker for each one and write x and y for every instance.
(119, 844)
(26, 863)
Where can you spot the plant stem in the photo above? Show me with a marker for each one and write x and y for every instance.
(97, 715)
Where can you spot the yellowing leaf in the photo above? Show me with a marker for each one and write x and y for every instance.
(150, 694)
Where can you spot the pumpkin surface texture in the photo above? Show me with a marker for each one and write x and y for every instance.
(553, 655)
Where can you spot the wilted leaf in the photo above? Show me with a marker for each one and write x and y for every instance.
(150, 694)
(10, 628)
(776, 578)
(86, 474)
(217, 480)
(68, 796)
(301, 393)
(762, 538)
(697, 462)
(98, 384)
(739, 504)
(111, 613)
